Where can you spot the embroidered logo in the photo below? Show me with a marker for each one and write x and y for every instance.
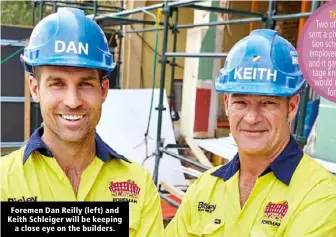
(125, 191)
(274, 213)
(23, 199)
(203, 206)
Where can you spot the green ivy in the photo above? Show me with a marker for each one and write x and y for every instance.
(20, 12)
(16, 13)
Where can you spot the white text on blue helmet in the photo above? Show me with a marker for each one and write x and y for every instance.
(80, 48)
(248, 73)
(295, 60)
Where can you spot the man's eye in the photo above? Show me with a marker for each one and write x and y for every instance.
(269, 103)
(86, 84)
(56, 84)
(239, 102)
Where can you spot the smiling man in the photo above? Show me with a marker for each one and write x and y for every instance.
(270, 188)
(65, 160)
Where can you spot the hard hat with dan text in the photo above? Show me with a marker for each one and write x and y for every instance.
(68, 38)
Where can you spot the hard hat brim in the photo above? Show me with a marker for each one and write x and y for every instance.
(259, 89)
(67, 61)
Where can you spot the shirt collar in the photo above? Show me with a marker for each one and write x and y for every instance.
(103, 151)
(283, 166)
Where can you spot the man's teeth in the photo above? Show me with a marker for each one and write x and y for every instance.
(72, 117)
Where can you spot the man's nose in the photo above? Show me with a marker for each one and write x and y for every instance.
(253, 116)
(72, 98)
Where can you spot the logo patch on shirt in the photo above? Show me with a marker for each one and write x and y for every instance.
(203, 206)
(124, 191)
(274, 213)
(217, 221)
(23, 199)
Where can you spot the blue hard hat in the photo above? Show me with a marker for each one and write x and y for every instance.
(263, 63)
(68, 38)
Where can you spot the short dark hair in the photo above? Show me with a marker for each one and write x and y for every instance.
(37, 73)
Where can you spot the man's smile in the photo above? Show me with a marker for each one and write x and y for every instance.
(72, 117)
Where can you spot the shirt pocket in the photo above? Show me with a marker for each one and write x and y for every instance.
(204, 228)
(134, 218)
(265, 231)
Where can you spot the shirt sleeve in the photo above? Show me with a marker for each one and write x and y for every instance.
(178, 226)
(151, 224)
(3, 196)
(3, 181)
(316, 219)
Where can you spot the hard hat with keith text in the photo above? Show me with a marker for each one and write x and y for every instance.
(263, 63)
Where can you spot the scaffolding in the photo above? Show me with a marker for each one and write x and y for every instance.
(119, 16)
(171, 8)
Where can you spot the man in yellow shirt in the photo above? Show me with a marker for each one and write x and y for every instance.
(65, 160)
(270, 188)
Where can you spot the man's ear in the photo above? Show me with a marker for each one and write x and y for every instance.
(226, 103)
(34, 88)
(105, 83)
(293, 106)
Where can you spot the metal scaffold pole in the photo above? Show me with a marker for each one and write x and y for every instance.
(216, 23)
(173, 63)
(120, 36)
(195, 55)
(291, 16)
(160, 108)
(151, 7)
(305, 97)
(270, 12)
(224, 10)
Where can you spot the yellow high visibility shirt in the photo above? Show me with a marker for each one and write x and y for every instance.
(294, 197)
(32, 174)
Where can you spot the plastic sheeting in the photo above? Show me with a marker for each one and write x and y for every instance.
(124, 122)
(224, 146)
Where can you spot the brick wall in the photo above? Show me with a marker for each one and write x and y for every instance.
(288, 28)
